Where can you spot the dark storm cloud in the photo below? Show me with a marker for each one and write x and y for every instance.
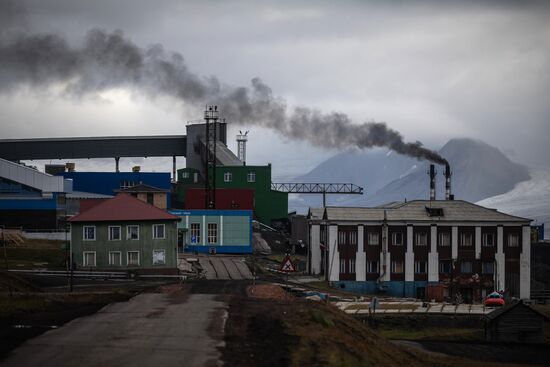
(109, 60)
(434, 69)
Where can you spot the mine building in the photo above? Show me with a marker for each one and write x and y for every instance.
(403, 248)
(451, 248)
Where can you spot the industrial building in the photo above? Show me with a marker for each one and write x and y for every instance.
(235, 184)
(124, 233)
(31, 199)
(214, 231)
(150, 194)
(109, 183)
(420, 247)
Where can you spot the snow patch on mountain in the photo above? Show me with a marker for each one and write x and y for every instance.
(529, 199)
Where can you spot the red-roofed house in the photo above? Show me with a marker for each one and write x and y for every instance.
(124, 233)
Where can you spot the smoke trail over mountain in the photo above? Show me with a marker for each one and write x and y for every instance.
(108, 60)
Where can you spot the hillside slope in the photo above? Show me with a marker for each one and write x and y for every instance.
(479, 171)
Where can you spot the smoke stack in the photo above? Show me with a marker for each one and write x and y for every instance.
(448, 174)
(432, 173)
(241, 146)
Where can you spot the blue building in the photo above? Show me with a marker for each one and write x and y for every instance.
(215, 231)
(30, 199)
(109, 183)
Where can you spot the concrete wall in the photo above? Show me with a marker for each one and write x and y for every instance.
(391, 288)
(51, 236)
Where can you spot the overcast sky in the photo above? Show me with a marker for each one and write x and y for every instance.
(432, 71)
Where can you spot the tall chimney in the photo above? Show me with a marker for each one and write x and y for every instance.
(432, 173)
(448, 174)
(241, 146)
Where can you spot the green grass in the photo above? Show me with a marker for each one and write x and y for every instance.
(321, 318)
(23, 258)
(434, 333)
(321, 285)
(20, 303)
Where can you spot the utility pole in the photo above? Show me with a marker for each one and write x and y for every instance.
(5, 250)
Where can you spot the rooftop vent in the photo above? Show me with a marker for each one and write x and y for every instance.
(435, 212)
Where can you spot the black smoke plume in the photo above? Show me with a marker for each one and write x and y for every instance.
(109, 60)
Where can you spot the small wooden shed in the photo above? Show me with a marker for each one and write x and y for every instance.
(516, 322)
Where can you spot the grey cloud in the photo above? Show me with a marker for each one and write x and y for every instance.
(108, 60)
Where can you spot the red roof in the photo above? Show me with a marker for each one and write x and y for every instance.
(122, 207)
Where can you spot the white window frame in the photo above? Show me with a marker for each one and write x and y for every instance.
(185, 174)
(154, 227)
(251, 177)
(119, 233)
(128, 258)
(352, 266)
(84, 259)
(373, 269)
(446, 236)
(84, 233)
(195, 232)
(394, 239)
(462, 239)
(341, 237)
(227, 177)
(484, 240)
(373, 238)
(342, 266)
(353, 238)
(394, 267)
(164, 261)
(418, 267)
(213, 234)
(513, 243)
(418, 236)
(128, 232)
(119, 258)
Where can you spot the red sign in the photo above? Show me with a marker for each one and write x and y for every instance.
(287, 265)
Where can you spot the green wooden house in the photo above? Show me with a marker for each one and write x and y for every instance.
(124, 233)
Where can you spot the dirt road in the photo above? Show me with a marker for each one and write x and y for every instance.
(173, 328)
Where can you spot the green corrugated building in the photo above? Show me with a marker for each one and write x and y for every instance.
(269, 204)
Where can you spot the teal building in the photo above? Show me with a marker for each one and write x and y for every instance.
(214, 231)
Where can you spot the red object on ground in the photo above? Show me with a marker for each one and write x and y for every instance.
(434, 292)
(232, 199)
(494, 299)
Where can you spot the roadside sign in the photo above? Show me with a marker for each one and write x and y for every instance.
(287, 265)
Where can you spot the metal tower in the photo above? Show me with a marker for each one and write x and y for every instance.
(211, 117)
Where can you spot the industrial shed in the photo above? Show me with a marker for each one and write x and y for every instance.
(214, 231)
(516, 322)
